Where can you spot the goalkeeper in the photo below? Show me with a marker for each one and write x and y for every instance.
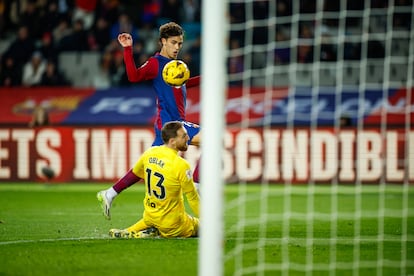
(171, 101)
(167, 177)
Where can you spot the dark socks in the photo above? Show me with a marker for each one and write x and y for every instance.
(127, 180)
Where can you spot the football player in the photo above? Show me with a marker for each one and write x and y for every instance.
(171, 101)
(167, 177)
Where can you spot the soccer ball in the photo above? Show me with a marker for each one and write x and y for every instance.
(175, 73)
(48, 172)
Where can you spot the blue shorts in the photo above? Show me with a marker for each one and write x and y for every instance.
(192, 130)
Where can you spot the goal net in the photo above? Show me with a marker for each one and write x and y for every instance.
(319, 141)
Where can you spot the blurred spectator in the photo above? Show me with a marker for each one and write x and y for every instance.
(402, 21)
(64, 6)
(48, 25)
(305, 30)
(283, 8)
(117, 71)
(328, 48)
(40, 117)
(30, 18)
(77, 40)
(47, 47)
(260, 9)
(3, 18)
(260, 33)
(50, 18)
(148, 38)
(21, 49)
(305, 53)
(124, 25)
(62, 30)
(193, 55)
(170, 10)
(238, 13)
(85, 10)
(150, 13)
(108, 9)
(188, 59)
(138, 50)
(235, 61)
(328, 52)
(305, 48)
(8, 18)
(113, 46)
(99, 37)
(282, 53)
(52, 76)
(33, 70)
(191, 11)
(102, 79)
(10, 73)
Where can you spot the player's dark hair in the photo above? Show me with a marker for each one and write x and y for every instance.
(169, 130)
(170, 29)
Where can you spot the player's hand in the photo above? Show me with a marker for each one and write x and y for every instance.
(125, 39)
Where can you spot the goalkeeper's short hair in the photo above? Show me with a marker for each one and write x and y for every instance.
(169, 130)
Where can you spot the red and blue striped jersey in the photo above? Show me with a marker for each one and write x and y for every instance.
(171, 101)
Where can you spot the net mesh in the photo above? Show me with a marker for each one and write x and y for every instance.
(320, 138)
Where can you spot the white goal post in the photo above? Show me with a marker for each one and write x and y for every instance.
(213, 91)
(314, 102)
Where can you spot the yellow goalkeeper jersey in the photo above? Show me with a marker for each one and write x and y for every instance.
(167, 177)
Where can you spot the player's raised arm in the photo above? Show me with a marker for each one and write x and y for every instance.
(125, 40)
(147, 71)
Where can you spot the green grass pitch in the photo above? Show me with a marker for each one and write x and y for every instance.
(59, 230)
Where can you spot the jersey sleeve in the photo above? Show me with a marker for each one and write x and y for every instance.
(194, 81)
(138, 168)
(186, 179)
(147, 71)
(194, 201)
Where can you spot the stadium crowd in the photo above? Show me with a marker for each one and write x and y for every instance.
(34, 32)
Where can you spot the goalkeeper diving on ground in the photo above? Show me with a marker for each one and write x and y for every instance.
(167, 178)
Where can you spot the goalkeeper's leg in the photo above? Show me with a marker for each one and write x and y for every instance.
(138, 226)
(138, 230)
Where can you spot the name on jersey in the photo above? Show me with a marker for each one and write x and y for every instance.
(156, 161)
